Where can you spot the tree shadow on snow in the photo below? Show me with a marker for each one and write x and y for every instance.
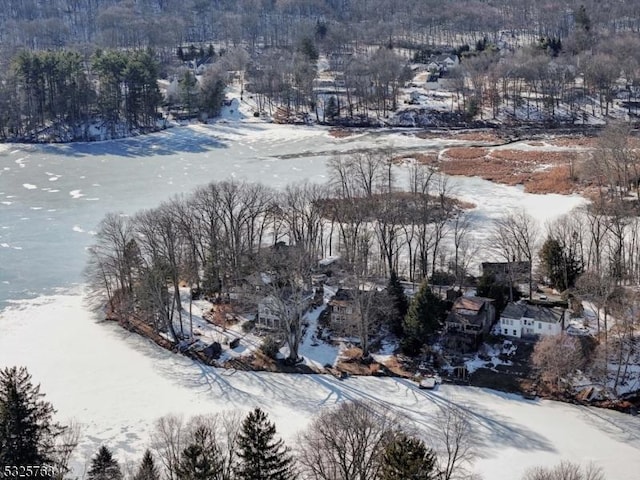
(621, 427)
(489, 428)
(172, 141)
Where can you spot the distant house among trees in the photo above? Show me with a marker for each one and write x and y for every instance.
(506, 272)
(441, 64)
(525, 320)
(342, 311)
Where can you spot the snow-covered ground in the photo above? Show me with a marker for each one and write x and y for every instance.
(116, 384)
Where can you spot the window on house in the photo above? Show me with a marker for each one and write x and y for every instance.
(539, 326)
(515, 333)
(549, 327)
(506, 331)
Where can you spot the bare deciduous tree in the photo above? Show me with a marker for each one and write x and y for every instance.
(565, 471)
(346, 442)
(513, 239)
(453, 442)
(215, 434)
(556, 357)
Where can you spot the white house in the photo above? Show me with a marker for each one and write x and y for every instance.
(521, 319)
(269, 312)
(272, 310)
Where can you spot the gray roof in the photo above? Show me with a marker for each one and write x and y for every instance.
(514, 310)
(537, 312)
(544, 314)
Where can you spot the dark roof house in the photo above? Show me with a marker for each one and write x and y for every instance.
(470, 319)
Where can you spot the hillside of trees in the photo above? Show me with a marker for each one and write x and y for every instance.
(66, 63)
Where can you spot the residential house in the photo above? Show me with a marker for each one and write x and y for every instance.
(272, 309)
(447, 61)
(269, 312)
(257, 281)
(471, 317)
(441, 64)
(526, 320)
(342, 311)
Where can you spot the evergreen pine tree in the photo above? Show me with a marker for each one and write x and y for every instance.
(560, 265)
(261, 455)
(423, 319)
(331, 110)
(400, 303)
(104, 466)
(407, 458)
(196, 464)
(211, 278)
(27, 433)
(147, 469)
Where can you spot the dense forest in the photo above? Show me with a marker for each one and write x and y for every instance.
(41, 24)
(68, 63)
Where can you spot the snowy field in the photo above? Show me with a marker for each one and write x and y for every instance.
(116, 384)
(51, 200)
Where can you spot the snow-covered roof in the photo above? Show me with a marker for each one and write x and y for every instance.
(325, 262)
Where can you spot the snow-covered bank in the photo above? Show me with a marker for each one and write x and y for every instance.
(117, 384)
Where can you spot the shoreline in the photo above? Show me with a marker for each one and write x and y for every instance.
(342, 370)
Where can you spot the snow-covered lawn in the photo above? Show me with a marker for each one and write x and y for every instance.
(117, 384)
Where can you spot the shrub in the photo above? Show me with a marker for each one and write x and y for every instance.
(270, 347)
(249, 326)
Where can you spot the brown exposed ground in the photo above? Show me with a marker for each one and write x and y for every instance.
(341, 132)
(540, 171)
(573, 141)
(468, 136)
(425, 158)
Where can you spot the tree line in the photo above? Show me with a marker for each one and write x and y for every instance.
(62, 92)
(517, 64)
(65, 96)
(167, 23)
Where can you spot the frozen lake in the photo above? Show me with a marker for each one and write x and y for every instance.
(52, 198)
